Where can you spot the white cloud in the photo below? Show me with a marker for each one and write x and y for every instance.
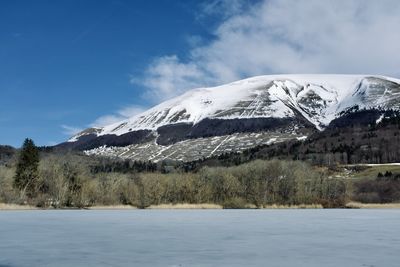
(106, 120)
(120, 115)
(286, 36)
(70, 130)
(168, 76)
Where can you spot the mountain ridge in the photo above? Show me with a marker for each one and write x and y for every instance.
(179, 112)
(288, 105)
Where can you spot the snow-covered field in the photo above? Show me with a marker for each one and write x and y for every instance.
(193, 149)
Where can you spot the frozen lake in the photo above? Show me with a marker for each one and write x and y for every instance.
(200, 238)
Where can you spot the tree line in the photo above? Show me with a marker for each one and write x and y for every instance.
(68, 180)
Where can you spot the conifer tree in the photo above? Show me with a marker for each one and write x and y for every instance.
(26, 176)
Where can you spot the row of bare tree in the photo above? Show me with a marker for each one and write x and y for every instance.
(67, 181)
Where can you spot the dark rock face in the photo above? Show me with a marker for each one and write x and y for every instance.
(91, 141)
(173, 133)
(214, 127)
(170, 134)
(358, 118)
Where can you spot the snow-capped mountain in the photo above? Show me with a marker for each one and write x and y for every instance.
(278, 107)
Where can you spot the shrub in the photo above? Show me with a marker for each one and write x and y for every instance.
(235, 203)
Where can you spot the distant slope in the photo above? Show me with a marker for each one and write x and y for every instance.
(6, 153)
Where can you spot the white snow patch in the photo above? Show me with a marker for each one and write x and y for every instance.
(380, 119)
(301, 138)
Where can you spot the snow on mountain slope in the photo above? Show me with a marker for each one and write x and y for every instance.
(318, 98)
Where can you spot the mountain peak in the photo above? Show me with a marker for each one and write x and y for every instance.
(239, 115)
(318, 97)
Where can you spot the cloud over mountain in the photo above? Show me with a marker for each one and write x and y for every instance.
(305, 36)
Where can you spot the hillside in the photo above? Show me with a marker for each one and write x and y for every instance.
(6, 153)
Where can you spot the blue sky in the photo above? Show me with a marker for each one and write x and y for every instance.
(70, 64)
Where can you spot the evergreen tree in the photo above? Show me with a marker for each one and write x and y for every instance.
(26, 176)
